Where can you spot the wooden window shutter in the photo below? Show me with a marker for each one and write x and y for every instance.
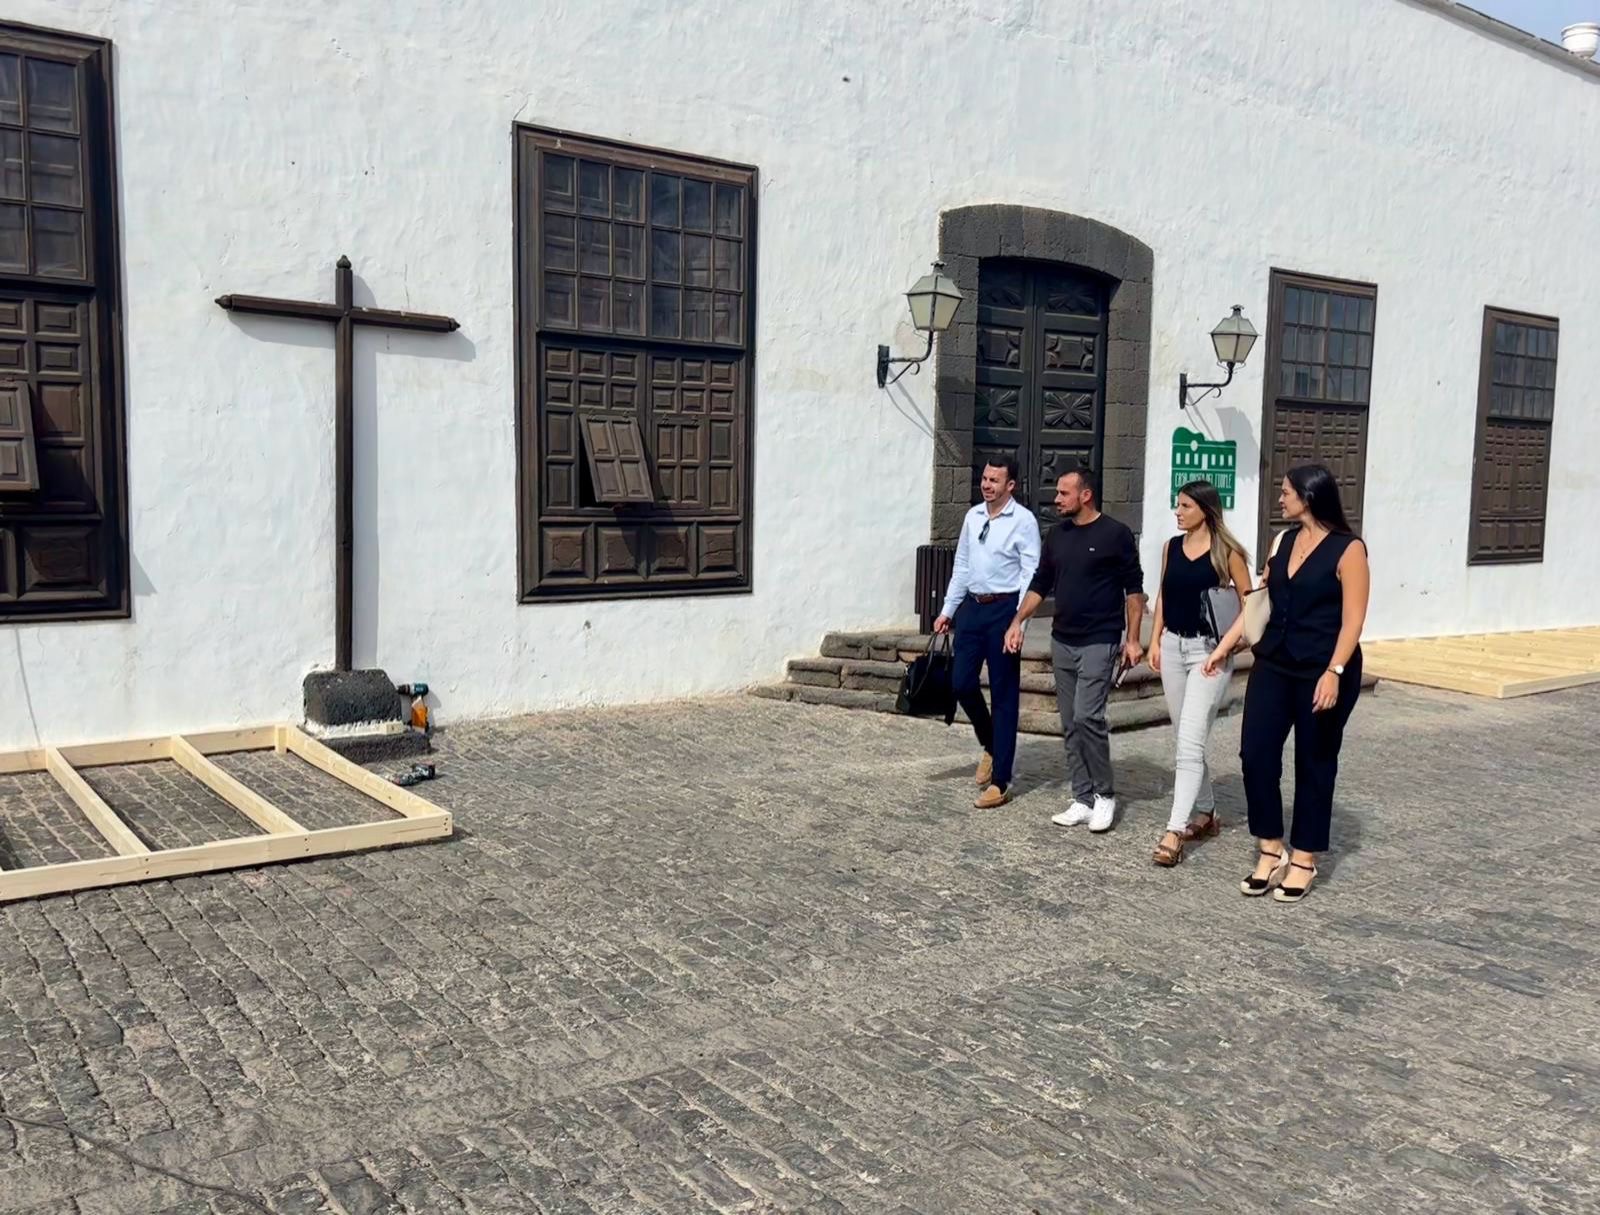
(615, 451)
(19, 461)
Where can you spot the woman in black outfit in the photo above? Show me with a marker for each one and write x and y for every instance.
(1306, 676)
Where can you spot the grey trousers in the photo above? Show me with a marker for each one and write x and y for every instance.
(1083, 682)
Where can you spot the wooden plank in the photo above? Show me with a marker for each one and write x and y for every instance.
(223, 742)
(126, 751)
(1392, 668)
(146, 750)
(1556, 683)
(1500, 664)
(14, 762)
(103, 817)
(1579, 637)
(1467, 661)
(1500, 684)
(1413, 670)
(1428, 658)
(1567, 651)
(1446, 683)
(317, 755)
(248, 802)
(220, 854)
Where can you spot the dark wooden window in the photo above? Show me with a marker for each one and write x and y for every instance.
(63, 538)
(1511, 464)
(636, 274)
(1318, 387)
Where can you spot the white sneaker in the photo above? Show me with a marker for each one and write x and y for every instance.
(1072, 815)
(1103, 814)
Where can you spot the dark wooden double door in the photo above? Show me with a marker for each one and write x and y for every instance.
(1040, 385)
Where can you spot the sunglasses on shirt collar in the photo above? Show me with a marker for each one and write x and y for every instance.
(984, 534)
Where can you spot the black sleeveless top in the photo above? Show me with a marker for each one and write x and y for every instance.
(1183, 586)
(1308, 609)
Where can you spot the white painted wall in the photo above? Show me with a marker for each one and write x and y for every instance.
(1372, 139)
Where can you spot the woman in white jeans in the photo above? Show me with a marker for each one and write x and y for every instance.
(1205, 556)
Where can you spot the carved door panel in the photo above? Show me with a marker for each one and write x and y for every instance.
(1041, 374)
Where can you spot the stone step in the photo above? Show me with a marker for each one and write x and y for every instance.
(837, 669)
(1038, 687)
(842, 698)
(1123, 714)
(903, 647)
(863, 671)
(875, 646)
(863, 675)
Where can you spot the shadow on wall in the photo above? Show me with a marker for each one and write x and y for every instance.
(369, 465)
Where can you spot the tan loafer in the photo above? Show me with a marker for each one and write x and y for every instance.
(985, 772)
(991, 797)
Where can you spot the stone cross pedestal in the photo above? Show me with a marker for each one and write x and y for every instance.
(360, 715)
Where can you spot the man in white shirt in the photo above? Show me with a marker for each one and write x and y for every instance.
(995, 561)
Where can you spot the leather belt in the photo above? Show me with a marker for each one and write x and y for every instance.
(995, 598)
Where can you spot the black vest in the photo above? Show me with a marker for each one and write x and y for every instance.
(1308, 609)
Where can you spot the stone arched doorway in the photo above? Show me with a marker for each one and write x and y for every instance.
(1049, 357)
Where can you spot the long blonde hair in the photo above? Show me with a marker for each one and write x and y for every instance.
(1223, 542)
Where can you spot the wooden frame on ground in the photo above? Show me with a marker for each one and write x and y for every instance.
(1500, 665)
(282, 838)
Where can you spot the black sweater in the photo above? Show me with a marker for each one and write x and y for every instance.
(1090, 570)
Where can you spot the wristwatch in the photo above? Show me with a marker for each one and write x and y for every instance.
(1338, 669)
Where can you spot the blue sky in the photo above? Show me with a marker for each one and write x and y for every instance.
(1542, 17)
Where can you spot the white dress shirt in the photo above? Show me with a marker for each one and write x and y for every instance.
(1003, 561)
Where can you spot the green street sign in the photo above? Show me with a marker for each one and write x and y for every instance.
(1197, 458)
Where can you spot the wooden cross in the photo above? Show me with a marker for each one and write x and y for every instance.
(344, 317)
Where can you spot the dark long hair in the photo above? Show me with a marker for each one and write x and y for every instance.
(1223, 542)
(1320, 492)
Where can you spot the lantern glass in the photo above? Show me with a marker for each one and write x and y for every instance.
(1233, 337)
(934, 300)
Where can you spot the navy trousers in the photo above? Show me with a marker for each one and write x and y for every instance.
(980, 638)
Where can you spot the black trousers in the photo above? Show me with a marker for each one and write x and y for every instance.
(981, 639)
(1275, 702)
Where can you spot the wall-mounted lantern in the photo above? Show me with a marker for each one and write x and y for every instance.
(1232, 339)
(933, 301)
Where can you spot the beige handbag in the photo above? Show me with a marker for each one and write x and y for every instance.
(1258, 604)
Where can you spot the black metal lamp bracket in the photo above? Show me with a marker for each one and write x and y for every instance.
(1206, 390)
(911, 365)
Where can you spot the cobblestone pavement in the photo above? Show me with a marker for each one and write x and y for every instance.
(738, 955)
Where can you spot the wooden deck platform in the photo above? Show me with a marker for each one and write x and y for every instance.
(1491, 664)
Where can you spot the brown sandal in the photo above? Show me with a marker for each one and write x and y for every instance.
(1165, 854)
(1207, 824)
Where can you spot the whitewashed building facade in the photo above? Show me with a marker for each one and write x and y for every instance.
(1404, 198)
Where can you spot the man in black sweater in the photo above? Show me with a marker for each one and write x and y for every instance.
(1090, 565)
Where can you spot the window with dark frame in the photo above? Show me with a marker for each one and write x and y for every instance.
(635, 320)
(63, 507)
(1318, 387)
(1511, 460)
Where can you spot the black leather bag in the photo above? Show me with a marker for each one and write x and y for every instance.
(928, 687)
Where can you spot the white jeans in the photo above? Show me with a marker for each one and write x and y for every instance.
(1192, 700)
